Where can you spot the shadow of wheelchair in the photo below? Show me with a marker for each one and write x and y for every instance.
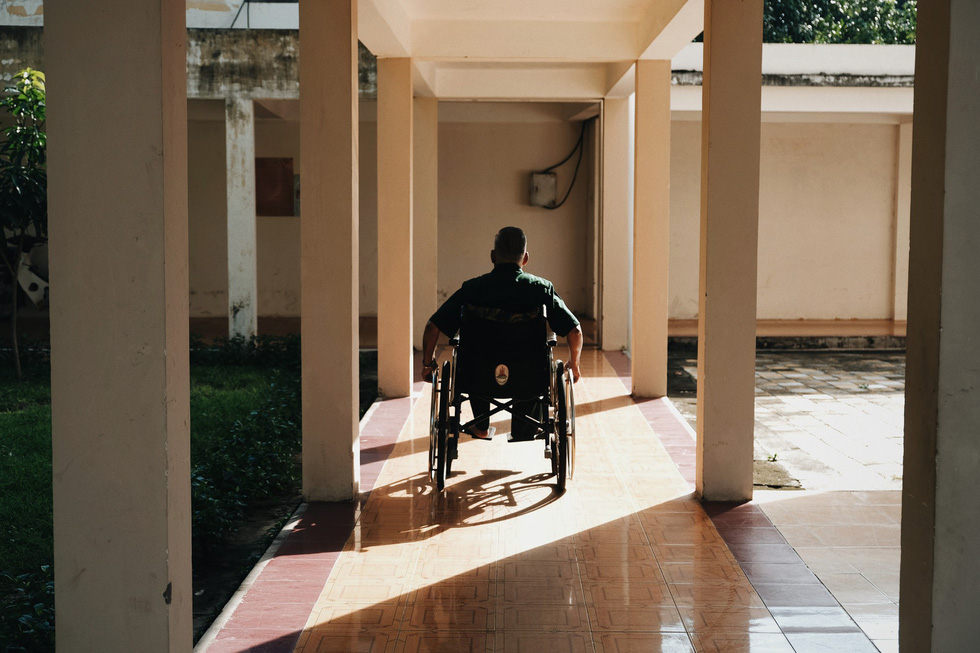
(492, 496)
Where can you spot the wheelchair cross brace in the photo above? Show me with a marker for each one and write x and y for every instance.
(500, 406)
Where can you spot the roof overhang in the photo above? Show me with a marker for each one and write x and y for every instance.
(519, 50)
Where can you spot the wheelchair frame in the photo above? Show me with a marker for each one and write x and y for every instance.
(557, 427)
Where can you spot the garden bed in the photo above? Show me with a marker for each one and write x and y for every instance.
(245, 445)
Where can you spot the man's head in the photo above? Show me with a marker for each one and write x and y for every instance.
(509, 246)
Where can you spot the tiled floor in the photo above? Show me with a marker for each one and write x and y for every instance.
(836, 553)
(499, 562)
(626, 560)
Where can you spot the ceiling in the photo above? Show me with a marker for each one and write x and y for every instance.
(539, 50)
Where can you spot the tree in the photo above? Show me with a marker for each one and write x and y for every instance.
(839, 21)
(23, 181)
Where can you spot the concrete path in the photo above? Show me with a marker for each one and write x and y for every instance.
(831, 420)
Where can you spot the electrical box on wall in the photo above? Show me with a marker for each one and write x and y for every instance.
(544, 188)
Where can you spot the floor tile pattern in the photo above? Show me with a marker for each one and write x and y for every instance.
(276, 599)
(825, 563)
(625, 560)
(851, 542)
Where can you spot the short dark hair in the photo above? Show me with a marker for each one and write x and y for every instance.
(510, 244)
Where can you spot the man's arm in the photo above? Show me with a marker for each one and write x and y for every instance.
(575, 339)
(430, 337)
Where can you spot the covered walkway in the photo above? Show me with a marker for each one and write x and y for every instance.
(119, 376)
(627, 559)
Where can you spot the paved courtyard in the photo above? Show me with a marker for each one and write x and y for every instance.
(831, 420)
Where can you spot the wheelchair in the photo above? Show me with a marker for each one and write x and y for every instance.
(501, 358)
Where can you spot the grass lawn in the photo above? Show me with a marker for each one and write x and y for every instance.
(234, 408)
(25, 473)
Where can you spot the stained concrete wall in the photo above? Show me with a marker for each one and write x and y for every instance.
(827, 244)
(278, 236)
(826, 223)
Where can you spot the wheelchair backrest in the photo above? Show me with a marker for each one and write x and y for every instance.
(503, 354)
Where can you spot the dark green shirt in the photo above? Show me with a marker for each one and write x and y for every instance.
(508, 288)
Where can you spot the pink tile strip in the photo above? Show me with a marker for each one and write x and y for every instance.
(270, 610)
(783, 581)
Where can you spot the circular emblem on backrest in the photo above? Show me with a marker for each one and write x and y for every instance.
(502, 374)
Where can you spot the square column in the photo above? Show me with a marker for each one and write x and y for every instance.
(328, 250)
(240, 189)
(395, 227)
(614, 239)
(729, 248)
(940, 572)
(903, 197)
(651, 228)
(425, 213)
(119, 331)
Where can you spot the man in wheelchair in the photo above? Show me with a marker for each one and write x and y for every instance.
(504, 309)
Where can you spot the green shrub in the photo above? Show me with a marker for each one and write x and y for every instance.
(257, 459)
(27, 611)
(279, 352)
(245, 442)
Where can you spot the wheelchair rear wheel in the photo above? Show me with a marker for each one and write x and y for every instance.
(569, 383)
(433, 424)
(559, 446)
(442, 429)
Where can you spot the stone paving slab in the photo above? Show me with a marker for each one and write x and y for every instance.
(832, 420)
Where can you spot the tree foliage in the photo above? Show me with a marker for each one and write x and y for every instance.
(23, 182)
(839, 21)
(23, 174)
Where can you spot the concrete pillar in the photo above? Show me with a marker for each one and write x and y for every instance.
(902, 209)
(395, 227)
(940, 572)
(614, 226)
(240, 188)
(651, 228)
(425, 213)
(119, 332)
(729, 247)
(328, 233)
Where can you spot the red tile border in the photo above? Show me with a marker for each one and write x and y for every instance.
(778, 574)
(269, 612)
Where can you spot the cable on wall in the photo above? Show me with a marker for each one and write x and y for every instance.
(580, 147)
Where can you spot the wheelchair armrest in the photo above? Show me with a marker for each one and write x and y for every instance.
(552, 339)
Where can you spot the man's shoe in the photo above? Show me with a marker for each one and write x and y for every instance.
(525, 437)
(484, 436)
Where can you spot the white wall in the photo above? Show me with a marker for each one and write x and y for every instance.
(278, 236)
(208, 228)
(484, 184)
(827, 220)
(827, 207)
